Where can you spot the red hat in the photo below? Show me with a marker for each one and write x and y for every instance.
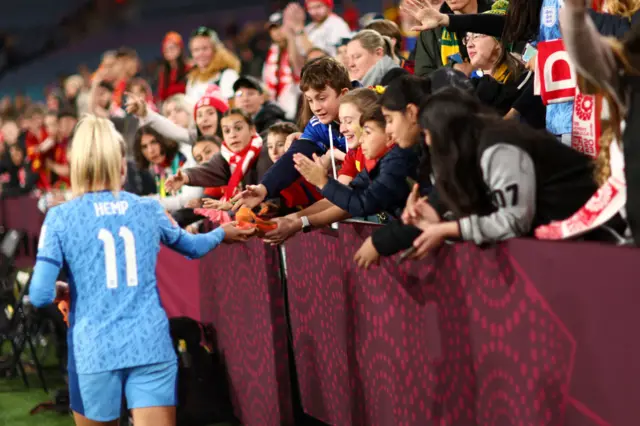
(212, 97)
(173, 37)
(328, 3)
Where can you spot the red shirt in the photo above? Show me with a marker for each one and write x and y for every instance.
(215, 191)
(118, 91)
(353, 163)
(173, 86)
(60, 157)
(37, 159)
(300, 194)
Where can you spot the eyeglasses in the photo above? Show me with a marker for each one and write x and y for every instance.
(471, 37)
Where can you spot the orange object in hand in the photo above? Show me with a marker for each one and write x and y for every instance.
(63, 300)
(247, 219)
(63, 307)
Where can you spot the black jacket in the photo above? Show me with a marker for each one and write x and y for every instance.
(516, 94)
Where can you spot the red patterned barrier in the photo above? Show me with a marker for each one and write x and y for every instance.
(522, 333)
(239, 290)
(525, 332)
(241, 294)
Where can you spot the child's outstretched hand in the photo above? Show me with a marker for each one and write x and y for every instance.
(311, 170)
(367, 255)
(176, 182)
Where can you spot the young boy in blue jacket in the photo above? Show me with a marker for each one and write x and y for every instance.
(323, 82)
(381, 187)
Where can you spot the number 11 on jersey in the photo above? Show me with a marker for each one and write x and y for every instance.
(110, 263)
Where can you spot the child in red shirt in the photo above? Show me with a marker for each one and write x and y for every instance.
(352, 105)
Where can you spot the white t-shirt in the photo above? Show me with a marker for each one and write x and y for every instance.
(196, 89)
(327, 34)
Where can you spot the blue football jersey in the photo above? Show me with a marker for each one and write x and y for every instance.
(559, 115)
(319, 134)
(109, 243)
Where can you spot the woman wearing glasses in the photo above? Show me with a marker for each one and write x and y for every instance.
(501, 80)
(213, 64)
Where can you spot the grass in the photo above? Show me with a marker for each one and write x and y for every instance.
(16, 401)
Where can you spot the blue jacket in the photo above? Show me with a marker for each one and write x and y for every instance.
(384, 189)
(314, 140)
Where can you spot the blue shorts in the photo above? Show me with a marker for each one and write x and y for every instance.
(98, 396)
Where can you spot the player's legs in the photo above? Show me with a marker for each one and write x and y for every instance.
(83, 421)
(96, 398)
(151, 393)
(160, 416)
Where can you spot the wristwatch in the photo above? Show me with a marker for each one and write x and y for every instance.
(306, 225)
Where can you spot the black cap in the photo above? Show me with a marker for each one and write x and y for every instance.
(247, 82)
(275, 20)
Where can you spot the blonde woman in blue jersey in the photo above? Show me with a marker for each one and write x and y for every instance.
(108, 240)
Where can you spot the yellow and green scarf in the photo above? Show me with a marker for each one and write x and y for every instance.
(448, 45)
(501, 74)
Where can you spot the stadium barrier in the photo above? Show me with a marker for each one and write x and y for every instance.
(525, 332)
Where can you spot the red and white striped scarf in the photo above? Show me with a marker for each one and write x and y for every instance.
(278, 77)
(239, 163)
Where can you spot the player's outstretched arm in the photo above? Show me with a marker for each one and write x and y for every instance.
(42, 290)
(196, 246)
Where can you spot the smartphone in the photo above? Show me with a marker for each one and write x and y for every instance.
(455, 59)
(529, 52)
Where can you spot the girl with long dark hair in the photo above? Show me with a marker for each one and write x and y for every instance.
(163, 158)
(498, 178)
(172, 78)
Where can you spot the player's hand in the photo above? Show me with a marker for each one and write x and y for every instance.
(367, 255)
(427, 15)
(175, 182)
(287, 228)
(193, 229)
(62, 290)
(233, 234)
(251, 197)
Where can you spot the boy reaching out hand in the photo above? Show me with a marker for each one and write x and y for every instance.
(323, 82)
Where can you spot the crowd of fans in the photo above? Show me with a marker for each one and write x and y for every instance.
(448, 121)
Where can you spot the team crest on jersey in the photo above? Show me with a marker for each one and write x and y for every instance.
(549, 16)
